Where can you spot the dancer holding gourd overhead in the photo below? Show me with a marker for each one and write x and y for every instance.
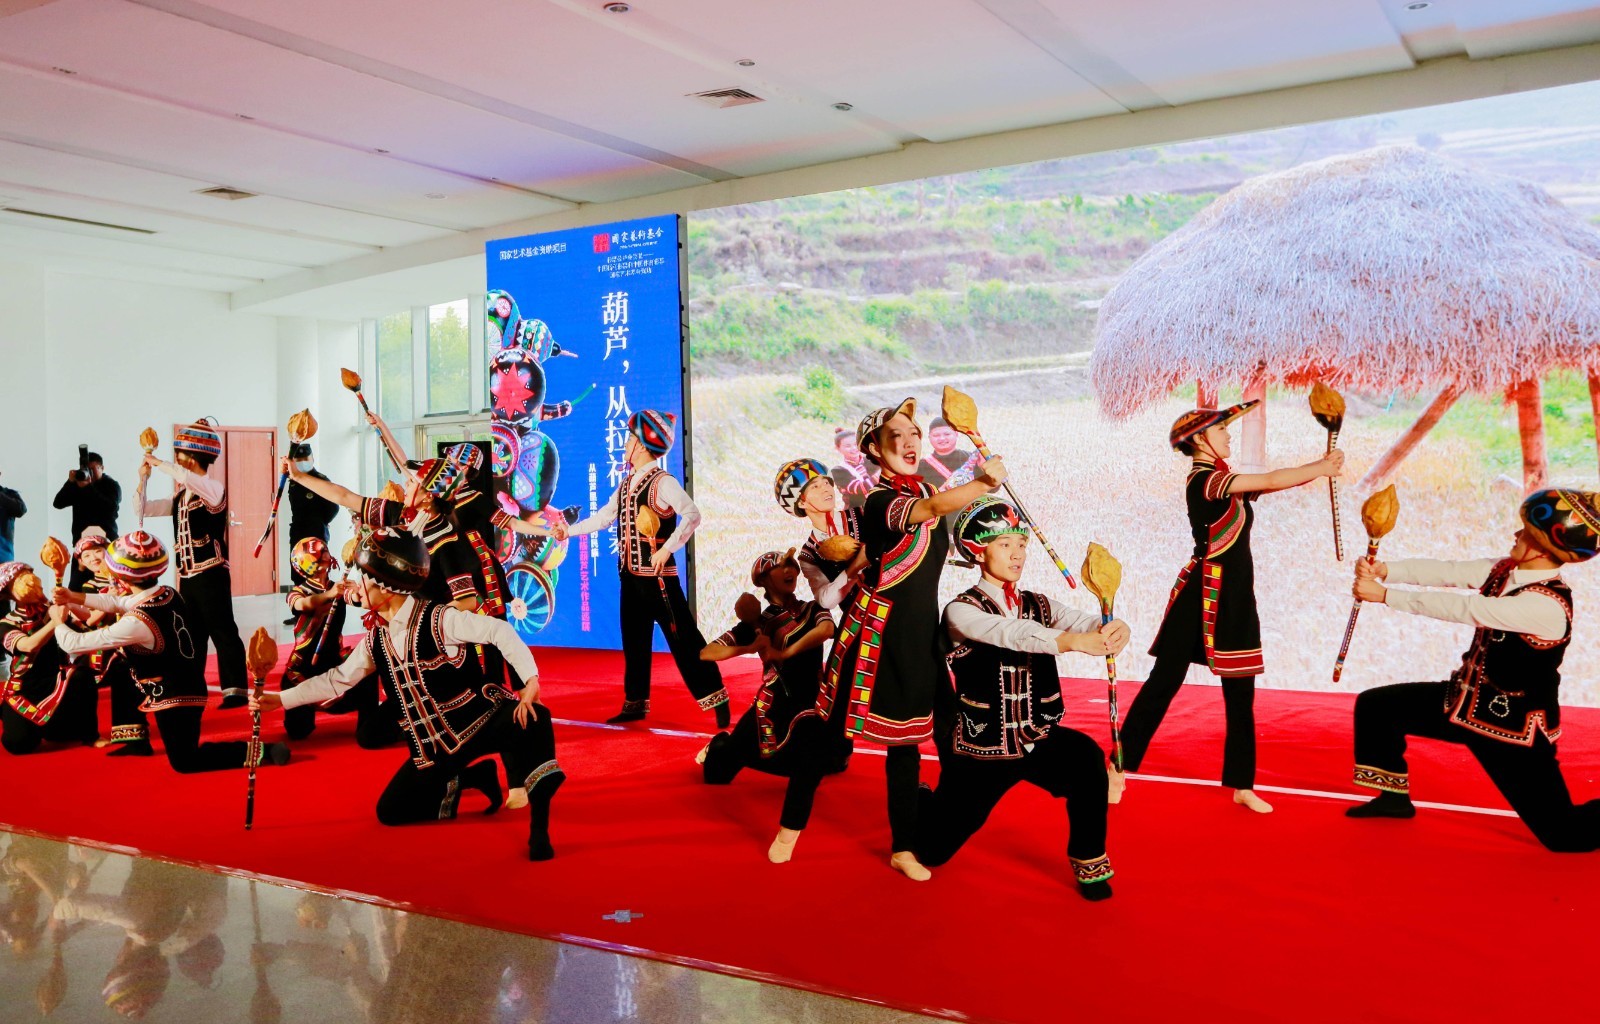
(1211, 616)
(886, 664)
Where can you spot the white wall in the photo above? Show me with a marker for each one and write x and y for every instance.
(310, 354)
(94, 361)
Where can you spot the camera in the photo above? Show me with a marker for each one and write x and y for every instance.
(81, 474)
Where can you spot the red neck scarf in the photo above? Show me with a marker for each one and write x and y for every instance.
(1013, 600)
(903, 483)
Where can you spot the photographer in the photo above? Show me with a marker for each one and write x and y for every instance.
(93, 498)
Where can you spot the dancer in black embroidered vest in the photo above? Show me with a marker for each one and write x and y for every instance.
(453, 711)
(318, 605)
(1000, 724)
(885, 666)
(1211, 615)
(199, 510)
(1503, 703)
(655, 518)
(163, 654)
(790, 636)
(130, 733)
(832, 557)
(41, 700)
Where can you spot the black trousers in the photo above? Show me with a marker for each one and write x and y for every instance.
(73, 721)
(1067, 764)
(431, 794)
(180, 735)
(128, 723)
(731, 753)
(822, 743)
(647, 602)
(208, 610)
(1155, 696)
(1528, 777)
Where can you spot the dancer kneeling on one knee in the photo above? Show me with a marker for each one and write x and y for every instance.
(1000, 724)
(1502, 704)
(1211, 616)
(790, 636)
(452, 710)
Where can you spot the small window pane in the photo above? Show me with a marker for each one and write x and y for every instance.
(449, 355)
(394, 368)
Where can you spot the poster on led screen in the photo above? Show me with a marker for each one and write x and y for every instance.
(585, 328)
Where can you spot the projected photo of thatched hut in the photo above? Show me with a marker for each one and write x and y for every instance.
(1390, 270)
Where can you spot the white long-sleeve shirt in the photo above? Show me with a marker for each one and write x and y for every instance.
(457, 628)
(1537, 614)
(971, 624)
(668, 490)
(204, 487)
(128, 631)
(828, 593)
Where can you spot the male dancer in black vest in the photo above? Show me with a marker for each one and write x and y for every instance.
(1502, 704)
(156, 635)
(199, 510)
(651, 594)
(454, 711)
(1001, 724)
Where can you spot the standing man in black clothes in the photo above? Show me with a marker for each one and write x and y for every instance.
(93, 498)
(309, 513)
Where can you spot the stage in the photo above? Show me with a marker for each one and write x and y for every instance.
(1218, 912)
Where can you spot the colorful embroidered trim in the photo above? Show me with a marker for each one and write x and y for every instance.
(1095, 869)
(534, 777)
(713, 700)
(1377, 778)
(129, 733)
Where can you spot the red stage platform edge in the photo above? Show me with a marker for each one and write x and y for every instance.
(1218, 912)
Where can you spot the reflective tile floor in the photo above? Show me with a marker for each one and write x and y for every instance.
(96, 936)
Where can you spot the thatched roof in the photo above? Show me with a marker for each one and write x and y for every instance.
(1390, 268)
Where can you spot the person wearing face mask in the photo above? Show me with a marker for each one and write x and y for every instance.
(885, 666)
(155, 635)
(42, 700)
(199, 511)
(455, 714)
(1211, 617)
(1000, 724)
(309, 512)
(1503, 703)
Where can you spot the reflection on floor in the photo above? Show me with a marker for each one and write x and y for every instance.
(94, 935)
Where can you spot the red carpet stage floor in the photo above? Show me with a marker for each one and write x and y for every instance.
(1218, 912)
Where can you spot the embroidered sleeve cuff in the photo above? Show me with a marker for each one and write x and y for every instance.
(1217, 485)
(898, 515)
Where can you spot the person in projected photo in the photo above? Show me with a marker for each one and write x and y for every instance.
(885, 665)
(856, 475)
(1503, 703)
(1211, 617)
(654, 518)
(947, 460)
(1000, 724)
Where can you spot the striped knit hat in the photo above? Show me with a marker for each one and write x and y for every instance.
(9, 571)
(136, 557)
(655, 430)
(793, 478)
(443, 476)
(199, 438)
(93, 539)
(1197, 421)
(872, 422)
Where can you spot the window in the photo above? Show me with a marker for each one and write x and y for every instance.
(449, 359)
(394, 368)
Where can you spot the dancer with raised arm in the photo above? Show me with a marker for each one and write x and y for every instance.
(1211, 617)
(886, 666)
(1503, 703)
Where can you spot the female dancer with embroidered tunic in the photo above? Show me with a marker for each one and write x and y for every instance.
(1211, 615)
(886, 664)
(789, 635)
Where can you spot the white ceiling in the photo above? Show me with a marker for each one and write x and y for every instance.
(366, 125)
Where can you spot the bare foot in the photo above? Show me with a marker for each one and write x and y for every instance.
(782, 847)
(1248, 798)
(700, 758)
(907, 864)
(1118, 781)
(517, 797)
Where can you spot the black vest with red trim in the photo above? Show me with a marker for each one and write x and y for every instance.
(172, 675)
(1003, 698)
(200, 532)
(35, 674)
(1508, 685)
(635, 549)
(444, 698)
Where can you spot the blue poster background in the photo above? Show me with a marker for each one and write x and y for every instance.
(585, 327)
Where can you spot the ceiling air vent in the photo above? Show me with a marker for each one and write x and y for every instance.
(720, 98)
(224, 192)
(76, 220)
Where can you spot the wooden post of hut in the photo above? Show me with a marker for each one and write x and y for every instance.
(1379, 474)
(1253, 428)
(1529, 396)
(1206, 398)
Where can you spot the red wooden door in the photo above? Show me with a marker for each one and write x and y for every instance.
(250, 467)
